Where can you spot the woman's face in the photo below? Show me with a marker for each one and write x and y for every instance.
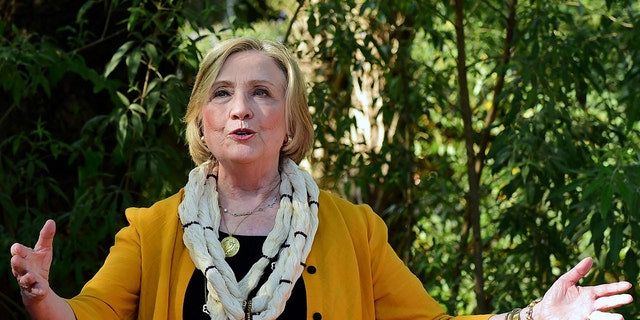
(244, 117)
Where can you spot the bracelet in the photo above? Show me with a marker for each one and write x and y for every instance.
(530, 307)
(514, 314)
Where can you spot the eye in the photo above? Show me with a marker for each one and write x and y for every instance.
(219, 93)
(261, 92)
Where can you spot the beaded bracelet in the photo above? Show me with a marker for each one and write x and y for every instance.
(530, 308)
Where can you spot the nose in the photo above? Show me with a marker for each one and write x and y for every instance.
(241, 108)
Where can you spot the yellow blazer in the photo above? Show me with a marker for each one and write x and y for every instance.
(352, 272)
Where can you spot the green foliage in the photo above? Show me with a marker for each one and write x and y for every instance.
(91, 107)
(549, 115)
(569, 130)
(92, 126)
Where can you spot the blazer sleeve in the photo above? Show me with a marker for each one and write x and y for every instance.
(399, 294)
(113, 292)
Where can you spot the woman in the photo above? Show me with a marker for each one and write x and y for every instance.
(250, 236)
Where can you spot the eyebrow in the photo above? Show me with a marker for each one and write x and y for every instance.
(250, 82)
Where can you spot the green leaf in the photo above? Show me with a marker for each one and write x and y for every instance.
(597, 227)
(123, 124)
(116, 58)
(606, 200)
(625, 191)
(57, 71)
(137, 108)
(83, 10)
(136, 124)
(615, 245)
(631, 266)
(133, 63)
(123, 99)
(151, 102)
(592, 187)
(44, 83)
(152, 54)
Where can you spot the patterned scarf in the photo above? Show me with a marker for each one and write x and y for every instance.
(285, 249)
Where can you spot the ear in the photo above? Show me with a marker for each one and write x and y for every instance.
(287, 141)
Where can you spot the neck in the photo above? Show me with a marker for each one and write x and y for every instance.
(239, 180)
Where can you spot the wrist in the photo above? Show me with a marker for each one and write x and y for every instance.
(530, 310)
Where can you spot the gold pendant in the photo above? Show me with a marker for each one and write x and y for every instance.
(230, 245)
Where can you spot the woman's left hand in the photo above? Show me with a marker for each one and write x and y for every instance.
(566, 300)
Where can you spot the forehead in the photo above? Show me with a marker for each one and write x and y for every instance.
(251, 66)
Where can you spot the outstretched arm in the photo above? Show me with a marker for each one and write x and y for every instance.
(31, 269)
(566, 300)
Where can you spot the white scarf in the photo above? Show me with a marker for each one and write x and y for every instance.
(291, 239)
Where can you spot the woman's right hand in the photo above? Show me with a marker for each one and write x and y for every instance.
(31, 266)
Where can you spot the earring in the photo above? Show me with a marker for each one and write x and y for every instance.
(287, 141)
(204, 142)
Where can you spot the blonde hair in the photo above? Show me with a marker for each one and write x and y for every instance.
(299, 125)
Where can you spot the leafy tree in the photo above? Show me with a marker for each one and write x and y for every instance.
(92, 125)
(428, 94)
(498, 139)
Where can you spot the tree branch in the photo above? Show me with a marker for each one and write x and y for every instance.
(473, 196)
(497, 91)
(98, 41)
(293, 19)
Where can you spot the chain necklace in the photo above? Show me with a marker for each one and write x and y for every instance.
(248, 213)
(290, 239)
(230, 244)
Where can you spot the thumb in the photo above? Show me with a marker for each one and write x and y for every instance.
(45, 240)
(578, 272)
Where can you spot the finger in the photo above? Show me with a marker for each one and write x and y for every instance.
(608, 303)
(27, 283)
(611, 288)
(32, 285)
(27, 280)
(34, 291)
(45, 240)
(19, 250)
(598, 315)
(18, 266)
(576, 273)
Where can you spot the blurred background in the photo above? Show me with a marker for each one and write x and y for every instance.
(497, 138)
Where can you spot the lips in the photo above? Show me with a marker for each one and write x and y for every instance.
(242, 134)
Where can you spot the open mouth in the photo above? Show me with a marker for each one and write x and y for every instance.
(242, 132)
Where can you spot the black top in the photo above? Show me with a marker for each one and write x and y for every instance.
(250, 252)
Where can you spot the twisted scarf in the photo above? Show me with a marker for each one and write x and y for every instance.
(289, 242)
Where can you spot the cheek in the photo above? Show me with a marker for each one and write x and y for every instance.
(276, 121)
(211, 121)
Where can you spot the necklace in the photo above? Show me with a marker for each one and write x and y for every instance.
(250, 212)
(230, 244)
(290, 239)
